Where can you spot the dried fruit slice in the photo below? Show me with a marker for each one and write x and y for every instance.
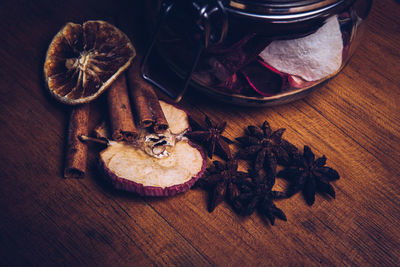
(132, 169)
(314, 57)
(83, 60)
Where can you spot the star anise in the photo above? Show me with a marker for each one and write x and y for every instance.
(266, 147)
(310, 175)
(219, 180)
(211, 138)
(255, 193)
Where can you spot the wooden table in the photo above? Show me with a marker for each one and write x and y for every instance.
(354, 120)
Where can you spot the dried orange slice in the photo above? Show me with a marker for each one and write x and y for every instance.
(83, 60)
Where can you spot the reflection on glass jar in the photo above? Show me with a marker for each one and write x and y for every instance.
(257, 52)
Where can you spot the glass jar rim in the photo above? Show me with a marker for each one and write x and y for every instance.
(282, 9)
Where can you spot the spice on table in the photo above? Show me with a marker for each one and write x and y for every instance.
(82, 61)
(246, 192)
(219, 180)
(76, 154)
(122, 123)
(255, 193)
(145, 101)
(310, 175)
(266, 148)
(211, 137)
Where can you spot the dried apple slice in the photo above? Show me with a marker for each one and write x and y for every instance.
(130, 168)
(313, 57)
(83, 60)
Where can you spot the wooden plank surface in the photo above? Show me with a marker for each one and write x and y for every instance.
(354, 120)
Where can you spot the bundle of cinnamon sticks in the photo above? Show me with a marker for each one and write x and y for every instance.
(129, 88)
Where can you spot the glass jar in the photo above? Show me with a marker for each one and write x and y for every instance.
(254, 52)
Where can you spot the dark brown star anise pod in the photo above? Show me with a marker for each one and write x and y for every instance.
(255, 193)
(310, 175)
(211, 138)
(219, 179)
(267, 148)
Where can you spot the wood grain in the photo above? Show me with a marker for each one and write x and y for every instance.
(354, 120)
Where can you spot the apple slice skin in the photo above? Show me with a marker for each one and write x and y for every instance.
(131, 186)
(122, 183)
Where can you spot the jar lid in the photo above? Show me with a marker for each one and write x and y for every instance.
(281, 9)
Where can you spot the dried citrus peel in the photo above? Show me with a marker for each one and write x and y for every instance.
(82, 61)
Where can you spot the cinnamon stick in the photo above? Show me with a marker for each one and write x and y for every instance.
(122, 124)
(145, 100)
(160, 122)
(76, 154)
(139, 99)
